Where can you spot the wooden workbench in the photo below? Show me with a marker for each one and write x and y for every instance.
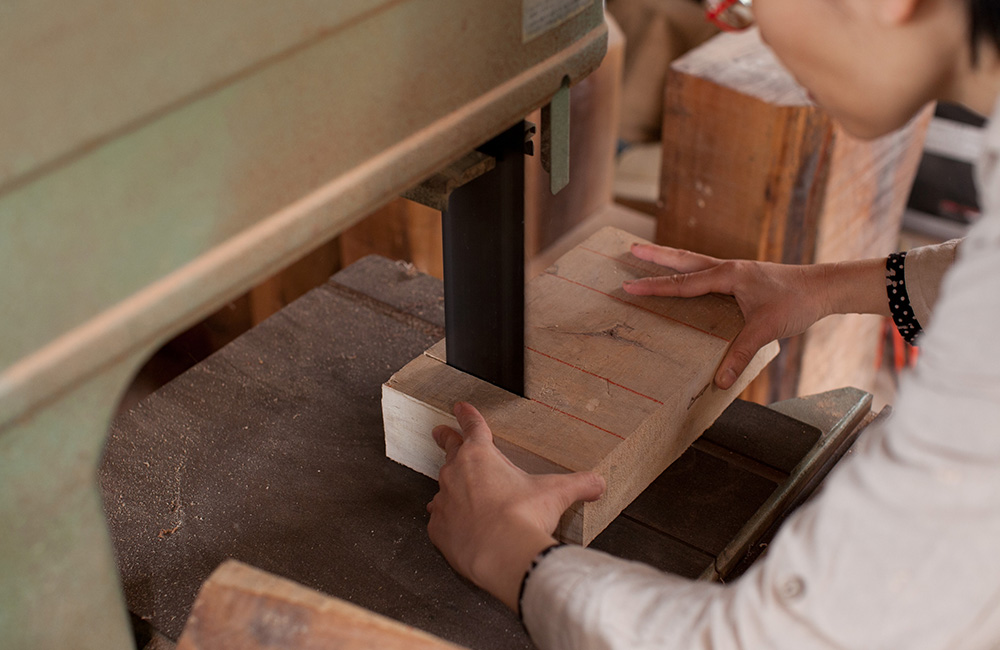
(271, 452)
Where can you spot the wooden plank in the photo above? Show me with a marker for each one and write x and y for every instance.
(617, 384)
(243, 608)
(753, 170)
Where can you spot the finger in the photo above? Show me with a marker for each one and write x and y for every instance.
(682, 285)
(675, 258)
(581, 486)
(741, 352)
(447, 439)
(473, 424)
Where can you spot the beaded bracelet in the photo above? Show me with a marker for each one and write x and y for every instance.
(899, 300)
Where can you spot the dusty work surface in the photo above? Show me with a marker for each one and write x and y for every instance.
(271, 452)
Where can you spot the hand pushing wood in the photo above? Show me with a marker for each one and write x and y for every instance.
(777, 300)
(490, 518)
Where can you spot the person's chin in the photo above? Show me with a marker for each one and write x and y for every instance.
(865, 130)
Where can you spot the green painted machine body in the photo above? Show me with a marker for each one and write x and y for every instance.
(158, 160)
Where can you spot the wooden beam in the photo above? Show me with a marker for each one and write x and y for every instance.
(243, 608)
(614, 383)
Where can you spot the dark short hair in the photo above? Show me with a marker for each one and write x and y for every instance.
(984, 23)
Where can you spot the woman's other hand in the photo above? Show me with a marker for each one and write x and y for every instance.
(490, 519)
(777, 300)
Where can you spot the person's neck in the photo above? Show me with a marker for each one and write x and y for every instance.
(977, 85)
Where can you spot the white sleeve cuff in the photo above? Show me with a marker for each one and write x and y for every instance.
(924, 268)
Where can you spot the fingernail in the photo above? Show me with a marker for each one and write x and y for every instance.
(726, 378)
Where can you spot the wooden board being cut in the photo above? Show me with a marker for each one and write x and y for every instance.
(614, 383)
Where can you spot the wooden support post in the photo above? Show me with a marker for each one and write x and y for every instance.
(751, 169)
(614, 383)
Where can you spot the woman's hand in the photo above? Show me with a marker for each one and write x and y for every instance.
(777, 300)
(490, 519)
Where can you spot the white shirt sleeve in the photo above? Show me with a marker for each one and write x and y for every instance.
(901, 549)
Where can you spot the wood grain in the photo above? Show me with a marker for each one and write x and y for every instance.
(617, 384)
(243, 608)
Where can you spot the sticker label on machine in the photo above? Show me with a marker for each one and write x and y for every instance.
(539, 16)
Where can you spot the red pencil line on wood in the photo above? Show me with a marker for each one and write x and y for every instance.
(570, 415)
(670, 318)
(593, 374)
(642, 268)
(618, 259)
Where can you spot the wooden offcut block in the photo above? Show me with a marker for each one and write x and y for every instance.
(243, 608)
(614, 383)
